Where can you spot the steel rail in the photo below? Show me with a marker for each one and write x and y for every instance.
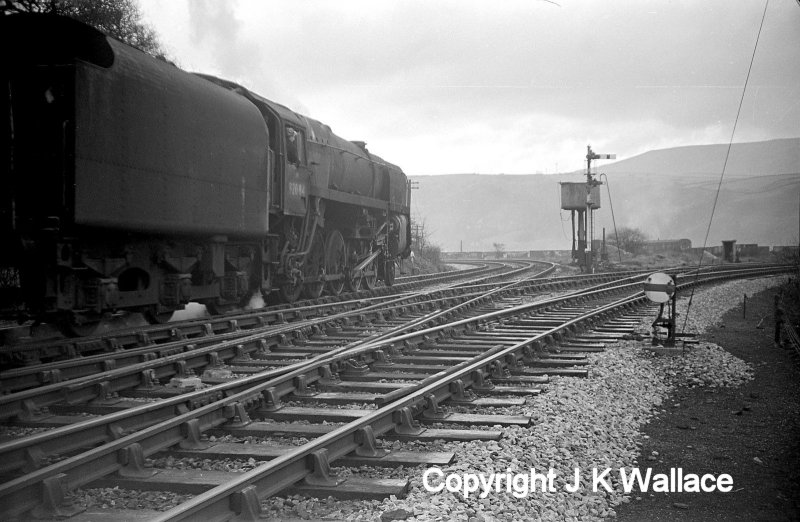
(175, 360)
(35, 375)
(144, 335)
(427, 277)
(16, 454)
(126, 422)
(65, 377)
(19, 379)
(240, 496)
(83, 468)
(495, 277)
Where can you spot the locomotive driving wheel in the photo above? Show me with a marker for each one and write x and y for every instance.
(314, 269)
(291, 287)
(370, 279)
(335, 261)
(352, 279)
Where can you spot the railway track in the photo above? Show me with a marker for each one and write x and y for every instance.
(31, 345)
(293, 327)
(409, 371)
(98, 376)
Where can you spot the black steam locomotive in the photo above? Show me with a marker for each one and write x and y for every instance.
(129, 184)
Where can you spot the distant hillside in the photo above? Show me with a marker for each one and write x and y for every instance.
(746, 159)
(667, 193)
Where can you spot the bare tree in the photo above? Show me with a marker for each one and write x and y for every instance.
(499, 248)
(120, 19)
(630, 240)
(421, 242)
(419, 234)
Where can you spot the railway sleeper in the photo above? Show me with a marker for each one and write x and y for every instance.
(53, 504)
(463, 352)
(363, 386)
(614, 329)
(294, 413)
(559, 362)
(575, 346)
(597, 338)
(436, 360)
(490, 337)
(48, 421)
(156, 391)
(553, 353)
(352, 397)
(562, 372)
(374, 376)
(193, 481)
(416, 368)
(385, 387)
(385, 459)
(105, 408)
(272, 429)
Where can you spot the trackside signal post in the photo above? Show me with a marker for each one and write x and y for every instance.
(582, 199)
(660, 288)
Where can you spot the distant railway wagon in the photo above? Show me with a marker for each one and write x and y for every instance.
(752, 250)
(128, 183)
(657, 246)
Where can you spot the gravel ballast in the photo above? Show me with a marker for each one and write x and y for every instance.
(578, 423)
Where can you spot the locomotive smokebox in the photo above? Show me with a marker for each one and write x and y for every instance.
(573, 196)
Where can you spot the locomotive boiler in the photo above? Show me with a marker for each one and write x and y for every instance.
(130, 184)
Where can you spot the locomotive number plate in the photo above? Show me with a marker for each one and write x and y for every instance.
(297, 189)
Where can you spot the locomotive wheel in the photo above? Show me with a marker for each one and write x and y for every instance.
(370, 280)
(352, 281)
(335, 260)
(314, 269)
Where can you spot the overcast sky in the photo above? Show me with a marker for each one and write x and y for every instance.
(504, 86)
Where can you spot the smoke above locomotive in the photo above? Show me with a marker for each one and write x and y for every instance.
(130, 184)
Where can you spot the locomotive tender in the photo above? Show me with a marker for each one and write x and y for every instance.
(130, 184)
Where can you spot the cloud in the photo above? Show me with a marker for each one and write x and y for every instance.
(516, 86)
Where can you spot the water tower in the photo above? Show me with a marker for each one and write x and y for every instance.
(582, 199)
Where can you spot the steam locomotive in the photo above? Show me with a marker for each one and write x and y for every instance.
(130, 184)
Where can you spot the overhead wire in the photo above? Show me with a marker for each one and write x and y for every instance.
(613, 220)
(724, 165)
